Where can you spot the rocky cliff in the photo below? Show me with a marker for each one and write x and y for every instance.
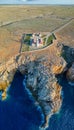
(68, 55)
(70, 74)
(41, 68)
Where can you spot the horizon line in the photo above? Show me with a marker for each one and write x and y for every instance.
(37, 4)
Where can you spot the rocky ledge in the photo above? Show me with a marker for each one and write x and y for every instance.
(41, 68)
(70, 74)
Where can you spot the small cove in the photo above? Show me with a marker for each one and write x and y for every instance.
(18, 111)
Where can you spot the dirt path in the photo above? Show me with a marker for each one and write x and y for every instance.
(59, 28)
(63, 26)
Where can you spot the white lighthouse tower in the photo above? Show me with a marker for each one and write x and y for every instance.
(37, 42)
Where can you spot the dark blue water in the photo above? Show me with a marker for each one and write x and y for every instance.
(64, 120)
(19, 112)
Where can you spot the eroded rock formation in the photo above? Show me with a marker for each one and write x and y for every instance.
(70, 74)
(44, 87)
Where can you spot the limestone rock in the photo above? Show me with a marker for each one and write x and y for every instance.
(44, 87)
(4, 95)
(22, 69)
(70, 73)
(3, 85)
(60, 67)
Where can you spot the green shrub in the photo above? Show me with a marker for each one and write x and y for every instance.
(25, 47)
(50, 40)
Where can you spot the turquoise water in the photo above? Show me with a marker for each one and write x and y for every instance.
(19, 112)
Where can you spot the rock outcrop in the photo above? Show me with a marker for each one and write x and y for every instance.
(44, 87)
(59, 68)
(68, 55)
(70, 74)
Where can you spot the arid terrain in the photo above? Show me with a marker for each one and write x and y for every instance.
(41, 67)
(66, 35)
(15, 20)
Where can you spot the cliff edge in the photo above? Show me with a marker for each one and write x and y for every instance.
(41, 68)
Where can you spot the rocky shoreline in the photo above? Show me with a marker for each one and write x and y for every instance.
(41, 68)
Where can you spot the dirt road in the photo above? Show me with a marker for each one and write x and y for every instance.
(59, 28)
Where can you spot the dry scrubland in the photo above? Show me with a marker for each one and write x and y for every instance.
(9, 44)
(66, 35)
(15, 20)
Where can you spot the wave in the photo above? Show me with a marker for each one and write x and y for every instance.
(70, 83)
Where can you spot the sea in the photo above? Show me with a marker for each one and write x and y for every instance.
(19, 111)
